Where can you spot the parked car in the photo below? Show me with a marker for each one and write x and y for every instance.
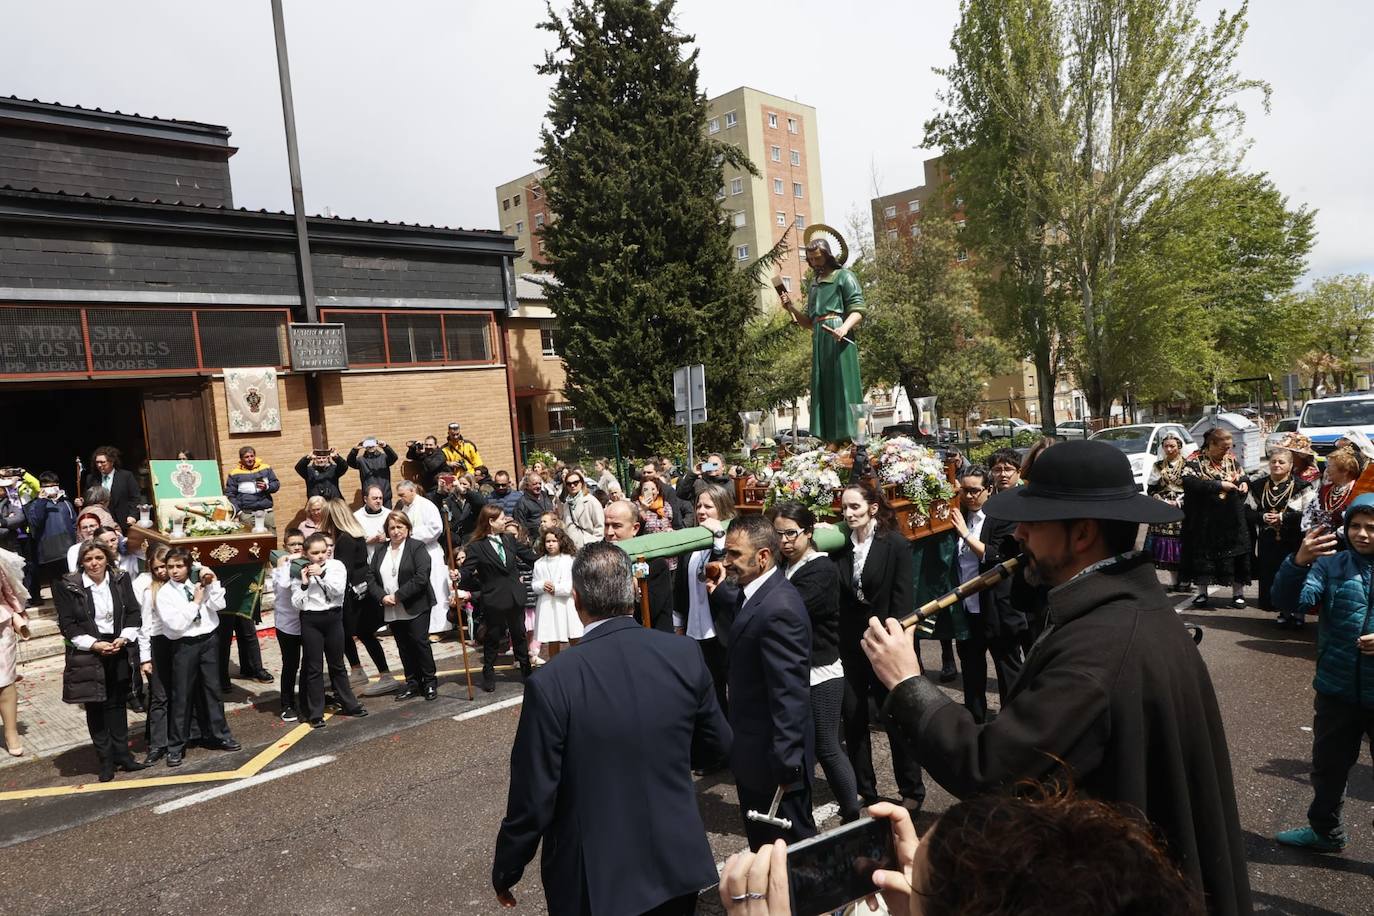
(1073, 429)
(803, 441)
(1286, 425)
(1142, 444)
(1005, 428)
(912, 429)
(1324, 420)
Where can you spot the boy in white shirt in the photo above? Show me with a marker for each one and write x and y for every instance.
(318, 593)
(189, 616)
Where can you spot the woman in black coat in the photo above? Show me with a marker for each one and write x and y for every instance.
(875, 573)
(361, 615)
(491, 568)
(98, 616)
(398, 579)
(815, 577)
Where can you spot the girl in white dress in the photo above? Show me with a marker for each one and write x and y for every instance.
(556, 620)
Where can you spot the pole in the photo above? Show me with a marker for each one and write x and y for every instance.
(691, 457)
(644, 590)
(458, 609)
(314, 394)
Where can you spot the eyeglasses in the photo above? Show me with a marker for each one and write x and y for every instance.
(971, 491)
(789, 534)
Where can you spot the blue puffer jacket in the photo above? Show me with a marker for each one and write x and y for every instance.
(1342, 586)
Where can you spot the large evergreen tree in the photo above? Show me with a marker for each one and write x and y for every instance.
(646, 278)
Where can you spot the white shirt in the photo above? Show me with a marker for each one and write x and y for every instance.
(103, 600)
(861, 549)
(373, 524)
(587, 629)
(182, 616)
(324, 593)
(285, 617)
(753, 587)
(427, 524)
(391, 566)
(699, 623)
(152, 626)
(968, 559)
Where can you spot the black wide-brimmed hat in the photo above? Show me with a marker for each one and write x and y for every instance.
(1080, 479)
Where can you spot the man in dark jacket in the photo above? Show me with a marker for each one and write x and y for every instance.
(1114, 692)
(533, 503)
(322, 470)
(372, 459)
(622, 522)
(461, 504)
(121, 484)
(249, 487)
(601, 767)
(429, 461)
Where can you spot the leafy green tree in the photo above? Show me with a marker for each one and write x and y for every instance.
(1102, 107)
(646, 278)
(1339, 319)
(923, 329)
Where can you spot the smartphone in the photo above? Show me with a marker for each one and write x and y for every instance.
(710, 466)
(834, 868)
(369, 443)
(320, 452)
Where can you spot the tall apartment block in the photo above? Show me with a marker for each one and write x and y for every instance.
(522, 211)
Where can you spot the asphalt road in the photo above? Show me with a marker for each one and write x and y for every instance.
(398, 811)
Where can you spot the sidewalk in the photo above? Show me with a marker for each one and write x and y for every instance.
(50, 727)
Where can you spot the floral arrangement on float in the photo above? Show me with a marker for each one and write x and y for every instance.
(815, 479)
(916, 473)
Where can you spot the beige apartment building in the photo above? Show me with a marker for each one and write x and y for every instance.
(522, 211)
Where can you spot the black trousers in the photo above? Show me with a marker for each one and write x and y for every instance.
(861, 686)
(159, 695)
(250, 653)
(322, 638)
(108, 721)
(1338, 728)
(685, 905)
(795, 806)
(290, 646)
(827, 699)
(362, 617)
(417, 654)
(973, 658)
(195, 681)
(498, 623)
(717, 658)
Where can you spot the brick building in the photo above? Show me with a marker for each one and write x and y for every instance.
(128, 283)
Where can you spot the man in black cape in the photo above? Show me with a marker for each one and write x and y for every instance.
(1114, 694)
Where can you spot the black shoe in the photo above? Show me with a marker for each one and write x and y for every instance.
(408, 693)
(289, 714)
(106, 773)
(229, 745)
(154, 756)
(263, 677)
(130, 765)
(356, 712)
(174, 759)
(1238, 601)
(948, 673)
(914, 805)
(488, 686)
(135, 704)
(525, 671)
(317, 723)
(1200, 601)
(432, 692)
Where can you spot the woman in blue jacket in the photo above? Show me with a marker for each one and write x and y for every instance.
(1339, 583)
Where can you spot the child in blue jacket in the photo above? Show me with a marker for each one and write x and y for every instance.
(1339, 582)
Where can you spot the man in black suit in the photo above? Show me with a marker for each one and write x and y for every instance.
(601, 767)
(622, 522)
(769, 685)
(121, 484)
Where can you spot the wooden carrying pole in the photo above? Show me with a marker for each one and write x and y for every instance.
(458, 607)
(987, 580)
(644, 595)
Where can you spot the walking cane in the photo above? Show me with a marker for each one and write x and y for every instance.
(458, 611)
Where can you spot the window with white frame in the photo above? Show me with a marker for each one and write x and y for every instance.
(781, 218)
(730, 119)
(796, 189)
(536, 192)
(741, 252)
(892, 234)
(777, 185)
(787, 283)
(796, 157)
(739, 219)
(915, 229)
(890, 213)
(720, 195)
(519, 226)
(913, 206)
(736, 185)
(539, 221)
(713, 126)
(801, 221)
(505, 204)
(776, 153)
(515, 201)
(791, 125)
(772, 119)
(547, 345)
(562, 419)
(962, 255)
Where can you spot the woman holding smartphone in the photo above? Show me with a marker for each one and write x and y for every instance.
(318, 593)
(98, 616)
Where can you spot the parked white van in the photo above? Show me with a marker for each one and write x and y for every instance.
(1324, 420)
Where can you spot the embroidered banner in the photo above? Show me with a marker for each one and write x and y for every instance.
(251, 396)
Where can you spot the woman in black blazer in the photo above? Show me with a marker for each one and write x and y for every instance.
(883, 588)
(814, 576)
(398, 579)
(98, 616)
(490, 568)
(361, 617)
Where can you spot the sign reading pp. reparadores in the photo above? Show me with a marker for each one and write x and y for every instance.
(318, 347)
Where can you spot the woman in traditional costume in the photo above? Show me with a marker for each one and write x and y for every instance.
(834, 308)
(1216, 545)
(1276, 505)
(1166, 485)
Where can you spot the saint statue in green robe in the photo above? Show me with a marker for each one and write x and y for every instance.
(834, 308)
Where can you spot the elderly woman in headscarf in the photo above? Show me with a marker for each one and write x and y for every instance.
(1276, 505)
(1165, 484)
(1216, 544)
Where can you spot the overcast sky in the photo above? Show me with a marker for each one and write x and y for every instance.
(416, 109)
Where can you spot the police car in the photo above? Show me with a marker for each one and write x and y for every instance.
(1324, 420)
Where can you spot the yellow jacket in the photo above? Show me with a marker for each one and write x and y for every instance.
(465, 456)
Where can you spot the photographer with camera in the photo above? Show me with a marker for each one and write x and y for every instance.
(52, 527)
(710, 471)
(372, 459)
(461, 455)
(322, 470)
(429, 459)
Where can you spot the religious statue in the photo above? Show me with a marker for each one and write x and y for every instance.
(834, 308)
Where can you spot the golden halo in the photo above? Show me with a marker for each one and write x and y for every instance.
(834, 238)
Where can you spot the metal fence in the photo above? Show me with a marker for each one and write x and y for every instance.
(579, 446)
